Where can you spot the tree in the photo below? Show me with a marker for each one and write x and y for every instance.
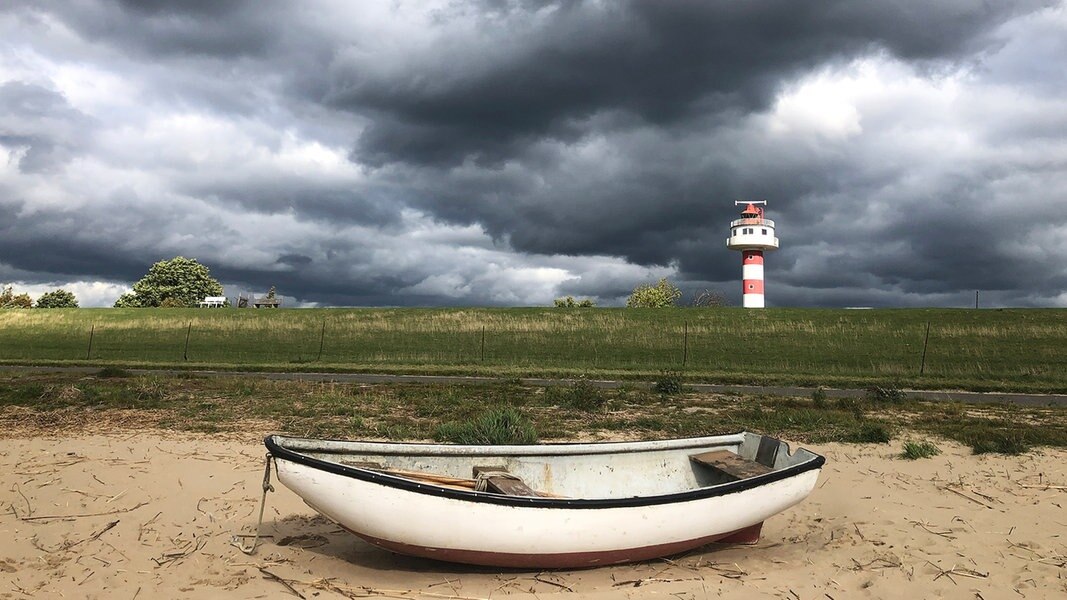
(179, 281)
(711, 299)
(570, 302)
(662, 295)
(8, 299)
(60, 298)
(128, 300)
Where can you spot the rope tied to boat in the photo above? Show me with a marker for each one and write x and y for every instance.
(481, 482)
(267, 487)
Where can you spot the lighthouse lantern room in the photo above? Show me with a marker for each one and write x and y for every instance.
(753, 235)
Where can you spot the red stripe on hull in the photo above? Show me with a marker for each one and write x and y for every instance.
(748, 535)
(752, 257)
(752, 286)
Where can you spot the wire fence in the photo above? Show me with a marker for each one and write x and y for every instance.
(817, 342)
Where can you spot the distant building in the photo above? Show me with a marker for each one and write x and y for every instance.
(266, 302)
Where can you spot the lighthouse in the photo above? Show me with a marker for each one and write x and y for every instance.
(753, 235)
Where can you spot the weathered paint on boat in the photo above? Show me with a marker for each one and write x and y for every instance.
(624, 501)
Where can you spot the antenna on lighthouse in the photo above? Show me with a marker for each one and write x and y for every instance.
(753, 235)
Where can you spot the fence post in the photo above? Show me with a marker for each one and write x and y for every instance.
(926, 341)
(322, 340)
(483, 343)
(685, 343)
(189, 330)
(92, 330)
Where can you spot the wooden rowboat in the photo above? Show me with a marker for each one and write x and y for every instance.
(552, 505)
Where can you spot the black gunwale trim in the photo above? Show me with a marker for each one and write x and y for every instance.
(280, 452)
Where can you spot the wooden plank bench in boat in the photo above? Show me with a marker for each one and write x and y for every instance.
(497, 479)
(502, 483)
(730, 466)
(727, 466)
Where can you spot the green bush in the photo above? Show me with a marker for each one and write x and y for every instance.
(584, 395)
(8, 299)
(570, 302)
(497, 427)
(669, 383)
(113, 373)
(57, 299)
(661, 295)
(818, 398)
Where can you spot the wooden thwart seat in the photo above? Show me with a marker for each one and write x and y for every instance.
(496, 480)
(501, 484)
(729, 465)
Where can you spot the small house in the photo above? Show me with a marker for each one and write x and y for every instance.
(266, 302)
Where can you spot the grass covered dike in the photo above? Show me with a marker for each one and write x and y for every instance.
(983, 350)
(504, 412)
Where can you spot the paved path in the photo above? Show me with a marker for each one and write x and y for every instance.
(771, 390)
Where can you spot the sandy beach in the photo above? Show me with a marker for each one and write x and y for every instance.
(115, 513)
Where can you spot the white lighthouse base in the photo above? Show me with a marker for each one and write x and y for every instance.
(752, 300)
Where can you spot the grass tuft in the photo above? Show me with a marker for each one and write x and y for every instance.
(668, 383)
(583, 395)
(498, 427)
(917, 450)
(1000, 443)
(113, 373)
(818, 398)
(871, 433)
(886, 394)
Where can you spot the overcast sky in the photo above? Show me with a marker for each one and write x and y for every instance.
(506, 153)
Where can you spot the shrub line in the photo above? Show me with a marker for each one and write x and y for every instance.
(1019, 399)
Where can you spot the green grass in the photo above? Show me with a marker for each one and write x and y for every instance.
(579, 395)
(668, 383)
(916, 450)
(500, 426)
(112, 371)
(1002, 350)
(504, 411)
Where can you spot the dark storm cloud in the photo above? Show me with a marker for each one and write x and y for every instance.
(294, 260)
(115, 242)
(672, 66)
(66, 256)
(506, 152)
(308, 199)
(660, 195)
(538, 76)
(39, 122)
(212, 29)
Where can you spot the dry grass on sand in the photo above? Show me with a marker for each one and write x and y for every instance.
(118, 511)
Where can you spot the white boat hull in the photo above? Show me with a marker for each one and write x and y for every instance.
(488, 529)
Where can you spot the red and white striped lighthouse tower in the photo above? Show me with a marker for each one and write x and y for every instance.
(752, 235)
